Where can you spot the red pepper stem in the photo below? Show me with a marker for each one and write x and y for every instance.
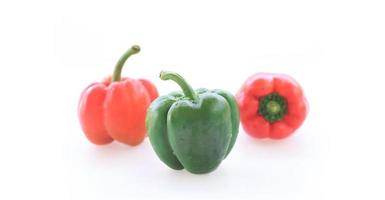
(187, 89)
(116, 76)
(273, 107)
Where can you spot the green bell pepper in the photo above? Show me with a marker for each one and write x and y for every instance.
(195, 130)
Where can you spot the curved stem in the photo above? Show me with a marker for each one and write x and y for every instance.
(118, 67)
(187, 89)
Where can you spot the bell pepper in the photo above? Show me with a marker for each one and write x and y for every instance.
(194, 130)
(115, 109)
(271, 106)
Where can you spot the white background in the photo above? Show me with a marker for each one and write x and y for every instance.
(51, 50)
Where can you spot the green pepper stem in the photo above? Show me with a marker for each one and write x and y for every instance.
(116, 76)
(187, 89)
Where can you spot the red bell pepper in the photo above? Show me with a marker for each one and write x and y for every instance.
(115, 109)
(271, 106)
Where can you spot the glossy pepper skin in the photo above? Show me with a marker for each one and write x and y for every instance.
(271, 106)
(115, 109)
(194, 130)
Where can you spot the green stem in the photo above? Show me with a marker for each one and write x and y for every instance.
(118, 67)
(187, 89)
(273, 107)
